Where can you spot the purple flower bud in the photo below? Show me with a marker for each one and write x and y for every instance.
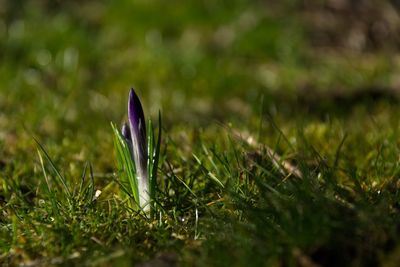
(126, 132)
(137, 127)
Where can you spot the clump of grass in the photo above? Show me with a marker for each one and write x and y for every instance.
(265, 217)
(224, 202)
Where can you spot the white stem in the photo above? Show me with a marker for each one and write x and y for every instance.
(144, 196)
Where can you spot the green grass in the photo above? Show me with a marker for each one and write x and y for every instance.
(234, 80)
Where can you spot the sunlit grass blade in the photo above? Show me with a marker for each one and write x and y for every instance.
(82, 182)
(91, 191)
(209, 173)
(154, 155)
(150, 147)
(126, 166)
(150, 167)
(53, 166)
(50, 193)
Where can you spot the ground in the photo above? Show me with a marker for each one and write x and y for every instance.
(280, 132)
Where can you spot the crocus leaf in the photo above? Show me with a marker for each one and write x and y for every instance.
(150, 166)
(156, 152)
(125, 163)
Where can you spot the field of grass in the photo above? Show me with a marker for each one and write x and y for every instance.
(281, 133)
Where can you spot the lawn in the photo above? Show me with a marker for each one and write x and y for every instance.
(280, 132)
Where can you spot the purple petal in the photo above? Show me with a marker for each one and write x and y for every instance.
(126, 132)
(137, 127)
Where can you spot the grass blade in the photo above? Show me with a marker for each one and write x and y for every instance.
(126, 164)
(53, 166)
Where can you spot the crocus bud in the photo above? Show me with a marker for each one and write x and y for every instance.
(137, 129)
(126, 132)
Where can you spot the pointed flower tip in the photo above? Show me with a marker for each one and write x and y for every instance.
(134, 101)
(137, 127)
(132, 93)
(135, 110)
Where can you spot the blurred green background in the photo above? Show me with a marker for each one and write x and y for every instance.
(71, 63)
(66, 66)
